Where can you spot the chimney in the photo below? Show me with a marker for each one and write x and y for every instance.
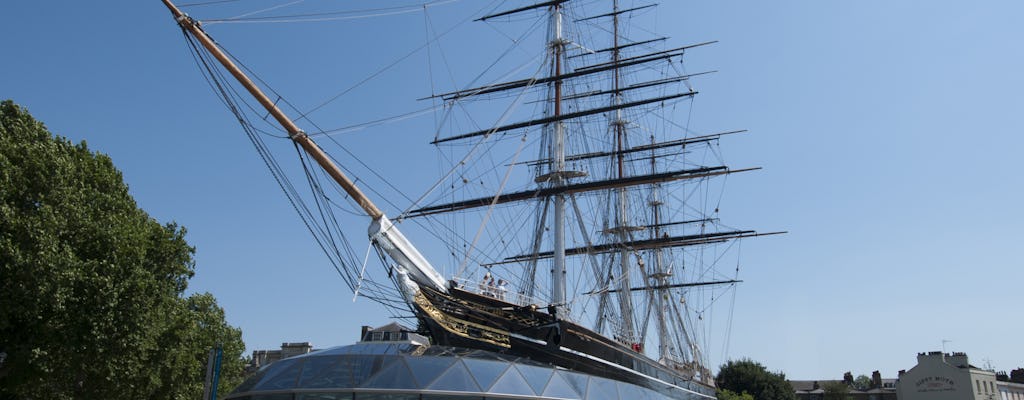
(876, 380)
(1017, 375)
(957, 359)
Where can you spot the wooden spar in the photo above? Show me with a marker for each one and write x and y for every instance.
(671, 286)
(579, 72)
(697, 173)
(296, 134)
(678, 51)
(521, 9)
(634, 86)
(657, 243)
(617, 12)
(659, 145)
(561, 117)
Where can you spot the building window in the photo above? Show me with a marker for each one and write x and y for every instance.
(978, 384)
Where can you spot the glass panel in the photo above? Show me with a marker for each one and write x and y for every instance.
(426, 369)
(336, 372)
(283, 375)
(512, 382)
(456, 379)
(335, 351)
(602, 389)
(434, 351)
(279, 396)
(652, 395)
(577, 381)
(537, 377)
(317, 370)
(251, 382)
(439, 351)
(386, 396)
(395, 376)
(508, 357)
(405, 348)
(358, 348)
(323, 396)
(460, 351)
(352, 371)
(485, 372)
(371, 348)
(382, 362)
(559, 387)
(486, 355)
(627, 391)
(448, 396)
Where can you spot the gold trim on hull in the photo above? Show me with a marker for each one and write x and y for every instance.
(463, 328)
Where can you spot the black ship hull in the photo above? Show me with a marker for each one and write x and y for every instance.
(466, 319)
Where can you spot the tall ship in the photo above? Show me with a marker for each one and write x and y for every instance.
(577, 212)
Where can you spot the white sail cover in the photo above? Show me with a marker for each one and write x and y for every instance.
(389, 239)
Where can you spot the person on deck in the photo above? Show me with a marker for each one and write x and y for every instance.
(502, 289)
(483, 283)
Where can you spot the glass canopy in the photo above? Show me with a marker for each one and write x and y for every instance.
(376, 370)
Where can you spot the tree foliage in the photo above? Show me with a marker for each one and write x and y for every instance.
(862, 382)
(747, 376)
(836, 390)
(726, 394)
(92, 288)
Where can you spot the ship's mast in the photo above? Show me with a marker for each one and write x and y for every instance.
(661, 277)
(384, 235)
(622, 221)
(556, 45)
(293, 130)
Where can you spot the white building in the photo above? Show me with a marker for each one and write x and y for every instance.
(1011, 390)
(940, 376)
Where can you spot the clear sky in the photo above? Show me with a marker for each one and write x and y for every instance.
(890, 135)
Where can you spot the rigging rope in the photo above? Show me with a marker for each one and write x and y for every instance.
(323, 232)
(205, 3)
(472, 151)
(369, 13)
(266, 9)
(490, 208)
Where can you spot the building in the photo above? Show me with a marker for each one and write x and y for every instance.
(879, 389)
(1010, 389)
(942, 376)
(262, 358)
(392, 332)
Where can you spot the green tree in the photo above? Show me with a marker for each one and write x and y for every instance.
(725, 394)
(836, 390)
(747, 376)
(863, 382)
(91, 287)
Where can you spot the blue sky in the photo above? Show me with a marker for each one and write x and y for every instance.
(889, 134)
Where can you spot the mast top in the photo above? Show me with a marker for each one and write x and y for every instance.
(521, 9)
